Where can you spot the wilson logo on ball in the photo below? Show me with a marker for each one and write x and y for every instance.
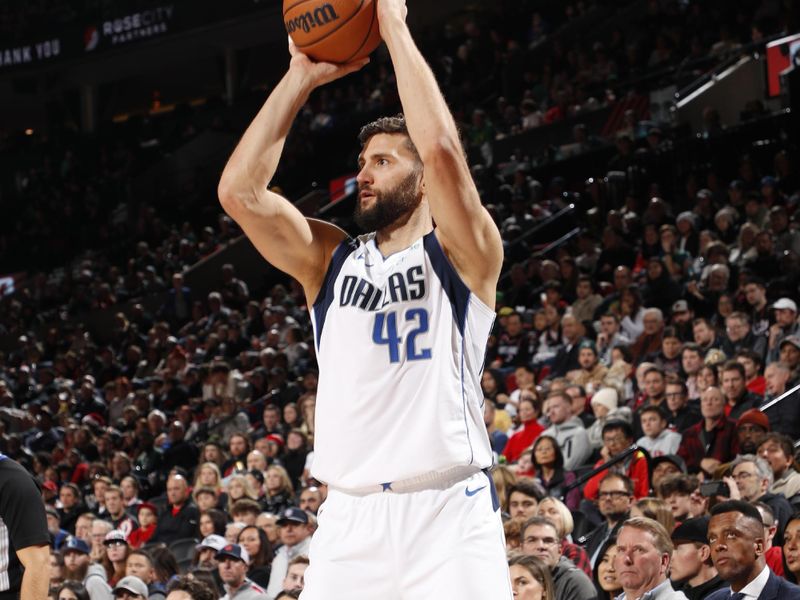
(321, 16)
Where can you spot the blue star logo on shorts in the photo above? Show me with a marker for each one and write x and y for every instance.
(387, 487)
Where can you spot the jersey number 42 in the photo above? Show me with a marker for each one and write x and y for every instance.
(384, 333)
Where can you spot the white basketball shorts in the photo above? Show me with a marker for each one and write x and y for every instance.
(445, 543)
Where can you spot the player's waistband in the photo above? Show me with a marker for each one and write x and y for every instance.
(434, 480)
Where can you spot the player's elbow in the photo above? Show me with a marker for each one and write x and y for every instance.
(232, 195)
(35, 558)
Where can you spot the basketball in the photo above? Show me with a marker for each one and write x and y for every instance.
(337, 31)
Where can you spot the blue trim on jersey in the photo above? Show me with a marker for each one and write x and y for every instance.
(464, 405)
(456, 290)
(325, 297)
(493, 490)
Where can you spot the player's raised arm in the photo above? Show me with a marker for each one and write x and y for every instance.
(465, 229)
(298, 246)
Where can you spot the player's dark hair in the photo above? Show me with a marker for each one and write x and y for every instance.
(390, 125)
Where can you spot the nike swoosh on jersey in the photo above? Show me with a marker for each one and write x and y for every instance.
(470, 492)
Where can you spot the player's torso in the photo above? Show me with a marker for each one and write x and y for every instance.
(400, 344)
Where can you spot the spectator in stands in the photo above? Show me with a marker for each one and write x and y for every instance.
(791, 548)
(740, 336)
(259, 550)
(644, 553)
(617, 439)
(189, 588)
(753, 478)
(773, 555)
(591, 374)
(656, 509)
(295, 580)
(295, 534)
(568, 430)
(649, 342)
(682, 414)
(676, 490)
(614, 499)
(115, 506)
(540, 538)
(528, 412)
(180, 519)
(657, 439)
(752, 364)
(785, 325)
(738, 398)
(548, 464)
(530, 577)
(735, 534)
(778, 450)
(523, 498)
(567, 357)
(707, 444)
(610, 337)
(232, 560)
(692, 570)
(751, 428)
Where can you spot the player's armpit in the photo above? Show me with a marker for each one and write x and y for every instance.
(298, 246)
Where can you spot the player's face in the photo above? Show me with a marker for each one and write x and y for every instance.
(388, 182)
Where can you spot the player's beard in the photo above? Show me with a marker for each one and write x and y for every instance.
(389, 205)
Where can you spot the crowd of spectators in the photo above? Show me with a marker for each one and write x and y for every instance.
(175, 452)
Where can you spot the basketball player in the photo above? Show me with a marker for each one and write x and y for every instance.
(401, 318)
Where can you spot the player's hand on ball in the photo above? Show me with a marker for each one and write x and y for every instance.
(320, 73)
(390, 11)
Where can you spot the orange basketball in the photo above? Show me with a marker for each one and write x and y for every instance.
(336, 31)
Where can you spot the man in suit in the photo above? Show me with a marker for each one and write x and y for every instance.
(736, 537)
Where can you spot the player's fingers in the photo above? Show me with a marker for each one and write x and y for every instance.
(292, 47)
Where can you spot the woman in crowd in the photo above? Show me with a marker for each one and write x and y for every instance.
(528, 412)
(530, 578)
(493, 388)
(503, 478)
(791, 549)
(291, 416)
(656, 509)
(255, 541)
(212, 521)
(116, 556)
(548, 463)
(605, 575)
(294, 460)
(208, 475)
(280, 493)
(239, 487)
(164, 564)
(560, 515)
(71, 590)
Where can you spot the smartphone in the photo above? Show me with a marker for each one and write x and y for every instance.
(715, 488)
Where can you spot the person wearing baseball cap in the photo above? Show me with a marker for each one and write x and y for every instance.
(79, 568)
(207, 551)
(785, 325)
(295, 529)
(131, 588)
(692, 571)
(232, 562)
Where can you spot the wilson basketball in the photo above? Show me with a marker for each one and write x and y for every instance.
(336, 31)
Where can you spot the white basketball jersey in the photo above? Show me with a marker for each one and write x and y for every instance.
(400, 345)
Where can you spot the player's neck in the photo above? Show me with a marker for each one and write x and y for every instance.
(405, 231)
